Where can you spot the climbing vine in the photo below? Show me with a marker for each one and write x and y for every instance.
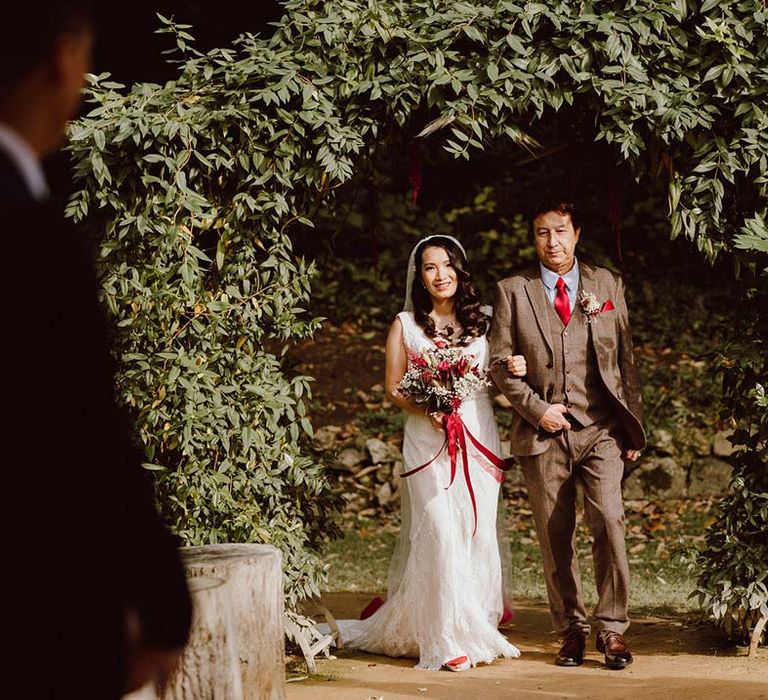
(193, 190)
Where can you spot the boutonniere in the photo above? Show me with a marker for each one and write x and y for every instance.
(592, 307)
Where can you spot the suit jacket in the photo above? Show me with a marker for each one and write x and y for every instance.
(82, 542)
(520, 326)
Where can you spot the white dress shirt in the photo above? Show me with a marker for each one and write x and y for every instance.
(26, 161)
(571, 279)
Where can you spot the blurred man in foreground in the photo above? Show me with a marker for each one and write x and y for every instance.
(94, 597)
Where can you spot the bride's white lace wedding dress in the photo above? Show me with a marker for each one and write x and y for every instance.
(444, 588)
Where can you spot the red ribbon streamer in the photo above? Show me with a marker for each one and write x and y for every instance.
(414, 169)
(456, 434)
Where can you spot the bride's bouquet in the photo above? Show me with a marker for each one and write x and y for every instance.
(441, 378)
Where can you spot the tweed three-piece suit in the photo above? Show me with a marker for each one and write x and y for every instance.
(588, 365)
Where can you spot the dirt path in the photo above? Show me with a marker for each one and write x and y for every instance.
(672, 661)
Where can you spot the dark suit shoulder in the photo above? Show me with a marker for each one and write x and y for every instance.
(13, 189)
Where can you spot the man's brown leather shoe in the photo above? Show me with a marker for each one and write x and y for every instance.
(572, 651)
(617, 653)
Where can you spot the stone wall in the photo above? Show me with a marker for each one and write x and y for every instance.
(367, 468)
(686, 465)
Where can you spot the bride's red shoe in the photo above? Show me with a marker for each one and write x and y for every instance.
(371, 608)
(460, 663)
(507, 616)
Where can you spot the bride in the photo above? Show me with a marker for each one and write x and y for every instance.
(445, 586)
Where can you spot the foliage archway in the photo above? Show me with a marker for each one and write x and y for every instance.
(194, 189)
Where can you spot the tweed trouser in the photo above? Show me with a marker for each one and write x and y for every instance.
(591, 456)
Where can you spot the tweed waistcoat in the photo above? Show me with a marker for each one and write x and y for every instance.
(576, 374)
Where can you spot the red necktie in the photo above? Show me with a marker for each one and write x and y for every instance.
(562, 302)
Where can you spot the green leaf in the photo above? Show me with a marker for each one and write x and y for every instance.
(714, 73)
(220, 248)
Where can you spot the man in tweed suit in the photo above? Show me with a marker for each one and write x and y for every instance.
(577, 417)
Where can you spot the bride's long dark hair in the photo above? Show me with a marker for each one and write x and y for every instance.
(474, 322)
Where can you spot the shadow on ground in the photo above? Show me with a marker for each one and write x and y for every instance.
(674, 659)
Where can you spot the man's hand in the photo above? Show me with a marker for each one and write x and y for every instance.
(151, 665)
(146, 664)
(630, 455)
(516, 365)
(554, 419)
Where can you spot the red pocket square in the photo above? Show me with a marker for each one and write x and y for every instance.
(607, 306)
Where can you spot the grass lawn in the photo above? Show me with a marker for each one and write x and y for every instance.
(656, 534)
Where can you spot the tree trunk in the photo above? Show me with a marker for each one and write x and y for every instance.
(210, 667)
(235, 651)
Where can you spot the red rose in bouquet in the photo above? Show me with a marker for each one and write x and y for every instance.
(441, 378)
